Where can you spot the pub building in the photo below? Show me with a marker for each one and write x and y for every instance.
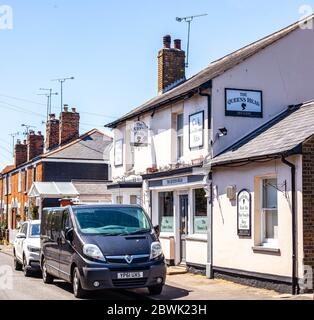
(224, 158)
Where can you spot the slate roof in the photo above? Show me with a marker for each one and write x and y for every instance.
(283, 135)
(91, 188)
(215, 69)
(93, 145)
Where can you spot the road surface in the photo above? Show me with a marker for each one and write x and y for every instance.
(33, 288)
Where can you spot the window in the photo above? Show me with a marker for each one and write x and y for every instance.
(269, 212)
(34, 174)
(180, 125)
(119, 199)
(200, 211)
(165, 203)
(133, 199)
(24, 229)
(118, 153)
(6, 185)
(20, 181)
(25, 181)
(10, 184)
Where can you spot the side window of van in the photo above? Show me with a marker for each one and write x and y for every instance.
(66, 220)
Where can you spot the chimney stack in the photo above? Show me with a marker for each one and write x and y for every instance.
(69, 127)
(171, 65)
(20, 153)
(35, 145)
(52, 132)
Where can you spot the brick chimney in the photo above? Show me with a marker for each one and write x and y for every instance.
(52, 132)
(20, 153)
(69, 125)
(171, 65)
(35, 145)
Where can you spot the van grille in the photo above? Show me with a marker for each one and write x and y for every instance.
(129, 282)
(122, 260)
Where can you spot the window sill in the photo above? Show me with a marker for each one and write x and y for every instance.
(264, 249)
(195, 237)
(166, 235)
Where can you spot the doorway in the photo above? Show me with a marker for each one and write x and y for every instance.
(183, 213)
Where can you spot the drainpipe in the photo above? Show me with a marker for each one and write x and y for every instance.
(295, 286)
(209, 264)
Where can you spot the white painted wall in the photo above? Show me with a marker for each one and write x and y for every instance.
(283, 71)
(161, 149)
(229, 250)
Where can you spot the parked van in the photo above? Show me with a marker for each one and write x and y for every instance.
(101, 246)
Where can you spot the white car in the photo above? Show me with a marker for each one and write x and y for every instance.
(27, 247)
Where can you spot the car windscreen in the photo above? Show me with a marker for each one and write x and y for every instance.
(112, 220)
(35, 230)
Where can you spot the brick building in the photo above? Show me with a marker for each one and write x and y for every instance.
(64, 156)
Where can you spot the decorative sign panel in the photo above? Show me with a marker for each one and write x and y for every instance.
(244, 213)
(244, 103)
(196, 128)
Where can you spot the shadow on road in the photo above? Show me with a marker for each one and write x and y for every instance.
(169, 293)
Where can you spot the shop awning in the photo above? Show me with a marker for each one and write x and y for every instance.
(53, 190)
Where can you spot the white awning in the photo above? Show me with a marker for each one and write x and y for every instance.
(53, 190)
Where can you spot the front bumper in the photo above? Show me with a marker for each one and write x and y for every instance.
(33, 260)
(107, 276)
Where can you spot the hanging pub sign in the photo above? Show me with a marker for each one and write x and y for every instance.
(244, 103)
(244, 213)
(139, 134)
(196, 128)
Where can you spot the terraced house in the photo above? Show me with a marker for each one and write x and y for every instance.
(65, 156)
(221, 160)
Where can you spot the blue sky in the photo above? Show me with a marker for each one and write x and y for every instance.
(110, 47)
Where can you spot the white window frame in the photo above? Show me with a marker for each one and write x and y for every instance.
(26, 181)
(192, 215)
(6, 185)
(10, 184)
(19, 181)
(181, 135)
(267, 242)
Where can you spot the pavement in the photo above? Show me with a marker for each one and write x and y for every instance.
(179, 286)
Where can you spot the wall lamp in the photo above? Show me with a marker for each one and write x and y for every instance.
(222, 132)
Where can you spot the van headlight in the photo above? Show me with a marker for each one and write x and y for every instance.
(155, 250)
(92, 251)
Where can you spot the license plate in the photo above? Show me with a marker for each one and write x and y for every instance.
(130, 275)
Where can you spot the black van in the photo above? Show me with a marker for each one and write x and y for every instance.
(101, 246)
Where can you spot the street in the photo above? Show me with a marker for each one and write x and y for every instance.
(33, 288)
(178, 287)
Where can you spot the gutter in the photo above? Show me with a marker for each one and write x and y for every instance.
(209, 263)
(295, 285)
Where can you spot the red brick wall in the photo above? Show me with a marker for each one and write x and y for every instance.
(308, 201)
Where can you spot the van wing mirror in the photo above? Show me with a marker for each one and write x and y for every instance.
(157, 230)
(69, 234)
(20, 235)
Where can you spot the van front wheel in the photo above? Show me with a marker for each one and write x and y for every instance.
(47, 278)
(155, 290)
(78, 291)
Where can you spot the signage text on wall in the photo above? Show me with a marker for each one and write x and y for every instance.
(244, 103)
(174, 181)
(244, 213)
(139, 134)
(196, 128)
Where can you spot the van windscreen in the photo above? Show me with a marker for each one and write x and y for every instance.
(112, 220)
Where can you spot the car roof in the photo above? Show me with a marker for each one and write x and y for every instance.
(105, 206)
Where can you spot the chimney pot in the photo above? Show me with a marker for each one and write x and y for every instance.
(52, 116)
(167, 41)
(177, 44)
(74, 110)
(171, 65)
(39, 133)
(18, 141)
(66, 108)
